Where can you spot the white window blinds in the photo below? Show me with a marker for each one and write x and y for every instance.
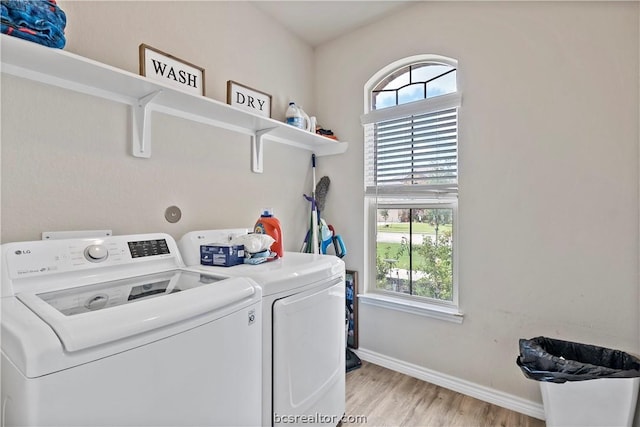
(413, 150)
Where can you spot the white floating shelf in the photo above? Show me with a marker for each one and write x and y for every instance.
(64, 69)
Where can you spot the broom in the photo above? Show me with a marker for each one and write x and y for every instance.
(322, 188)
(321, 194)
(317, 199)
(313, 238)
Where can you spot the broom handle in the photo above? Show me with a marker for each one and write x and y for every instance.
(314, 209)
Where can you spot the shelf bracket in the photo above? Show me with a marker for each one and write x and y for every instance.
(257, 145)
(142, 126)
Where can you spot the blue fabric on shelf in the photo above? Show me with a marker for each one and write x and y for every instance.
(39, 21)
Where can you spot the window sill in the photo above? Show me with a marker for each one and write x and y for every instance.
(413, 307)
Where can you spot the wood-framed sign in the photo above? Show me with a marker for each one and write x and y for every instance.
(170, 70)
(248, 99)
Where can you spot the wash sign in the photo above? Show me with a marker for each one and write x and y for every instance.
(171, 71)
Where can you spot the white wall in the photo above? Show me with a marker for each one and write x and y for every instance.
(66, 161)
(548, 159)
(548, 177)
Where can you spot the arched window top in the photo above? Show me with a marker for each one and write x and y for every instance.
(412, 79)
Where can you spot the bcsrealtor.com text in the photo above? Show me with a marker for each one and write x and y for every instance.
(318, 419)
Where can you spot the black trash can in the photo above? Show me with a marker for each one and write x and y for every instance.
(582, 384)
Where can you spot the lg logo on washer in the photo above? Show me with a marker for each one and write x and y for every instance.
(21, 252)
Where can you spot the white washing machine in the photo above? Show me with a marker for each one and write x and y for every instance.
(303, 330)
(113, 332)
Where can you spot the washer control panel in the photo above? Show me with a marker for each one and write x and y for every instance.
(38, 258)
(144, 248)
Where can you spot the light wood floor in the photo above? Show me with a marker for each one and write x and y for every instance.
(388, 398)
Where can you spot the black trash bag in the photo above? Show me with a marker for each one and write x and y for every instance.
(557, 361)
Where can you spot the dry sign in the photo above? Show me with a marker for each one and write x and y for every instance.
(169, 70)
(248, 99)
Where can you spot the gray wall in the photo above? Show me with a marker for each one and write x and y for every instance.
(548, 211)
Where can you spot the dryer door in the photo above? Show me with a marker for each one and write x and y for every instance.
(309, 356)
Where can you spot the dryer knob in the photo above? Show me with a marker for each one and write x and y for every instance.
(96, 253)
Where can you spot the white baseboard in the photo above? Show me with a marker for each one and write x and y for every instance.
(468, 388)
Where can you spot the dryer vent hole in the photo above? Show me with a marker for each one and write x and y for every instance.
(172, 214)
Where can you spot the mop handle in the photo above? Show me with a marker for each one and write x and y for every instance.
(313, 169)
(314, 210)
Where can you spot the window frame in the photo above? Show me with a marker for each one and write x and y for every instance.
(448, 204)
(414, 304)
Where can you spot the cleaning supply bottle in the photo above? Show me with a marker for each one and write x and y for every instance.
(269, 224)
(306, 121)
(294, 116)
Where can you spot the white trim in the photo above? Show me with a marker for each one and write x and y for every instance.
(486, 394)
(370, 233)
(395, 199)
(456, 258)
(450, 314)
(428, 105)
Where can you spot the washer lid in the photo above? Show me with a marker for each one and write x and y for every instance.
(88, 316)
(281, 276)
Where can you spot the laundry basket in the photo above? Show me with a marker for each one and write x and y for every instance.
(581, 384)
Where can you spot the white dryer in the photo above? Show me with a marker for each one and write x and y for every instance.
(303, 330)
(113, 332)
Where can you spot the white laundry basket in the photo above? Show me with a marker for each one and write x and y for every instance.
(600, 402)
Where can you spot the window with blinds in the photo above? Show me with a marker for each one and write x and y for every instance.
(419, 150)
(411, 180)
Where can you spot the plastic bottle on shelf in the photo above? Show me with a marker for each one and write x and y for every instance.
(269, 224)
(294, 116)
